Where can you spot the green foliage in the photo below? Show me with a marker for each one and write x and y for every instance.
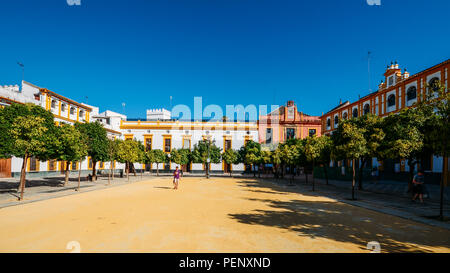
(404, 136)
(326, 145)
(97, 141)
(349, 141)
(230, 156)
(128, 151)
(26, 129)
(204, 149)
(250, 153)
(113, 147)
(180, 156)
(312, 148)
(72, 146)
(266, 156)
(157, 156)
(438, 123)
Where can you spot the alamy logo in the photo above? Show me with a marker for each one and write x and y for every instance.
(374, 2)
(74, 2)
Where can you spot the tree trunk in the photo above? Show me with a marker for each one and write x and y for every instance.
(313, 180)
(109, 176)
(113, 169)
(157, 169)
(444, 176)
(306, 174)
(325, 172)
(360, 178)
(22, 176)
(127, 166)
(353, 179)
(66, 178)
(79, 178)
(94, 171)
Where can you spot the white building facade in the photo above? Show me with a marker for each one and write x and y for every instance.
(174, 134)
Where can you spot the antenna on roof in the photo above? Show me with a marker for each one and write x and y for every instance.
(23, 70)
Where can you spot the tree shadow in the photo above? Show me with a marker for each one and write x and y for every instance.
(341, 222)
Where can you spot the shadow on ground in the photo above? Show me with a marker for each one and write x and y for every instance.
(338, 221)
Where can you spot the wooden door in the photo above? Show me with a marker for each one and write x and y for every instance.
(5, 168)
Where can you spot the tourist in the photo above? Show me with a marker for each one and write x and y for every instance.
(176, 178)
(418, 186)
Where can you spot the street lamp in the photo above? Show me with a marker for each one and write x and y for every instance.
(207, 166)
(168, 157)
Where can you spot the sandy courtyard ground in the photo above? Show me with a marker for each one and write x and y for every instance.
(215, 215)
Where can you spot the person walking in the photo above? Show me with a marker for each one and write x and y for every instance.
(418, 186)
(176, 178)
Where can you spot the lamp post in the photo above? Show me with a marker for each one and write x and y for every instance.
(168, 157)
(207, 165)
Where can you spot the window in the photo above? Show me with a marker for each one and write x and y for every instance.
(366, 109)
(74, 165)
(345, 115)
(328, 122)
(312, 132)
(90, 163)
(391, 100)
(148, 144)
(411, 93)
(81, 114)
(53, 104)
(72, 110)
(167, 145)
(268, 135)
(187, 143)
(336, 120)
(290, 133)
(355, 112)
(391, 81)
(63, 107)
(227, 144)
(434, 84)
(102, 165)
(33, 164)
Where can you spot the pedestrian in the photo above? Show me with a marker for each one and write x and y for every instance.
(418, 186)
(176, 178)
(375, 174)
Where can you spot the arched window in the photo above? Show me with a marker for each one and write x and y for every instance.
(72, 110)
(63, 107)
(434, 84)
(355, 112)
(411, 93)
(53, 103)
(336, 120)
(345, 115)
(366, 109)
(328, 122)
(391, 100)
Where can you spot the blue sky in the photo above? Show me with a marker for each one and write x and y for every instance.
(228, 51)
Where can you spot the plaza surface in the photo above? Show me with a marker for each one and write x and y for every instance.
(208, 215)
